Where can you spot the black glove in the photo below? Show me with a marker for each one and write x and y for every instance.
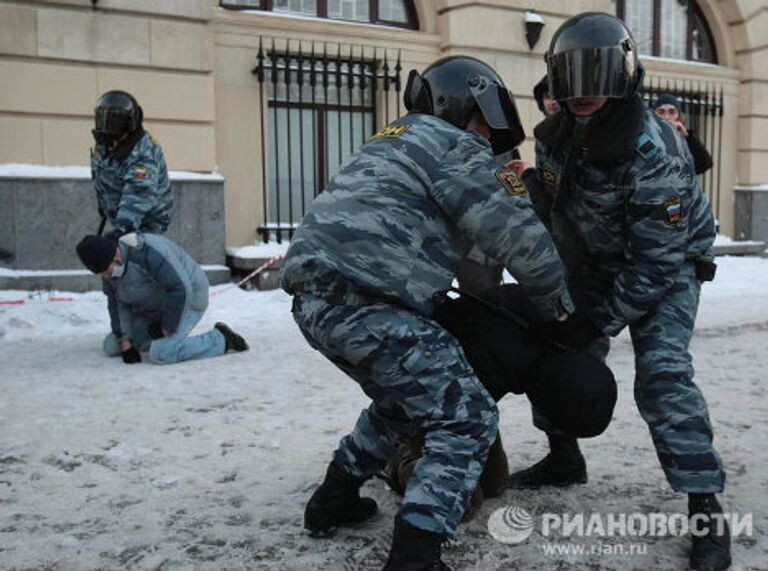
(131, 356)
(577, 331)
(155, 330)
(114, 234)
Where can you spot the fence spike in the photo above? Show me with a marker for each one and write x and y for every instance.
(259, 69)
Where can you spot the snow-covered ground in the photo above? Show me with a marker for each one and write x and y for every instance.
(207, 465)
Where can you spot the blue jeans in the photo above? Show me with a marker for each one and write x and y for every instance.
(176, 347)
(139, 333)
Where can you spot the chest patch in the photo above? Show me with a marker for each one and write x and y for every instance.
(508, 179)
(549, 176)
(391, 131)
(140, 172)
(672, 210)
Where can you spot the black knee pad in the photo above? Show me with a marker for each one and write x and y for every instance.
(574, 391)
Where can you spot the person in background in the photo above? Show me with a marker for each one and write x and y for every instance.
(128, 169)
(667, 106)
(544, 100)
(156, 294)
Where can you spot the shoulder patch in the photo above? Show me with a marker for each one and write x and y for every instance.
(391, 131)
(672, 210)
(646, 147)
(549, 176)
(508, 179)
(140, 172)
(154, 141)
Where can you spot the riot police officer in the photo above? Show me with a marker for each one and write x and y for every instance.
(377, 244)
(128, 168)
(617, 187)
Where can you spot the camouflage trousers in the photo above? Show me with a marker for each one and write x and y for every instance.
(418, 378)
(665, 393)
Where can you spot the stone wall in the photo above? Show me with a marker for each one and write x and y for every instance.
(42, 219)
(751, 206)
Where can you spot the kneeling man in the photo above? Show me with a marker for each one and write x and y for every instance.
(156, 294)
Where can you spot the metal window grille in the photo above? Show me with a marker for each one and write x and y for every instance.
(702, 105)
(321, 106)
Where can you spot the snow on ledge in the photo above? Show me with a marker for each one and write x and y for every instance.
(533, 17)
(754, 188)
(258, 251)
(17, 170)
(723, 240)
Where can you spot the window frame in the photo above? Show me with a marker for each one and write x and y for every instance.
(693, 10)
(322, 12)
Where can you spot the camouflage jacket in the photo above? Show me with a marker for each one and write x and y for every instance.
(408, 206)
(628, 213)
(132, 186)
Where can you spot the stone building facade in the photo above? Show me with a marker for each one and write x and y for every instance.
(190, 63)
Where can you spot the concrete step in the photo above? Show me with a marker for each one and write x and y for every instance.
(78, 280)
(750, 248)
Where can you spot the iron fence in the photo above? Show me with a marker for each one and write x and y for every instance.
(322, 104)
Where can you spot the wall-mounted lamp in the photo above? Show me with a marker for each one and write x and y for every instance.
(533, 25)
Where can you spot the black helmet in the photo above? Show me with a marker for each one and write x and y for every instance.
(593, 54)
(539, 91)
(116, 113)
(453, 88)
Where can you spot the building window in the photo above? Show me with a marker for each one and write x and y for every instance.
(320, 108)
(674, 29)
(399, 13)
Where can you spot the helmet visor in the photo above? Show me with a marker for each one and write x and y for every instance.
(594, 72)
(499, 111)
(112, 121)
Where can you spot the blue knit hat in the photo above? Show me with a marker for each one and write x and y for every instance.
(667, 99)
(96, 252)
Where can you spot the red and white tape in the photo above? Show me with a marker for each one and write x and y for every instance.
(266, 265)
(23, 301)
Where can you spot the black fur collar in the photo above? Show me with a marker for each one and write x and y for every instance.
(124, 148)
(610, 136)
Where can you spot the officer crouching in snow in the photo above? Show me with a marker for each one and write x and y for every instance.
(617, 185)
(156, 294)
(376, 245)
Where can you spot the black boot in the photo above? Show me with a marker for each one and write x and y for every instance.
(232, 341)
(711, 551)
(337, 502)
(415, 549)
(563, 466)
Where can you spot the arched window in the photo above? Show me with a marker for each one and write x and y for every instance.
(399, 13)
(673, 29)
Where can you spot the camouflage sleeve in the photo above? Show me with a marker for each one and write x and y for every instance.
(490, 205)
(99, 206)
(542, 193)
(541, 199)
(139, 193)
(657, 219)
(112, 306)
